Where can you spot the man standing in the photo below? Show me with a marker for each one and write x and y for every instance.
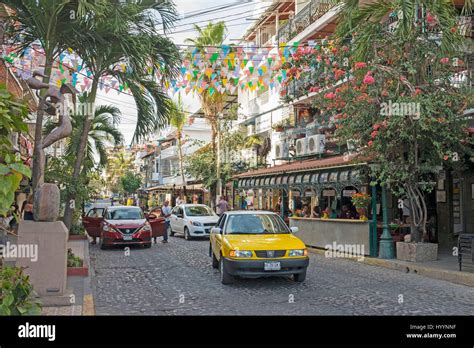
(166, 211)
(222, 206)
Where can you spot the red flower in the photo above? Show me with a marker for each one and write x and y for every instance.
(430, 18)
(370, 143)
(374, 134)
(329, 95)
(446, 157)
(444, 60)
(368, 79)
(360, 65)
(376, 126)
(338, 73)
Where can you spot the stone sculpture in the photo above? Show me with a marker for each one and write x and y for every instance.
(46, 205)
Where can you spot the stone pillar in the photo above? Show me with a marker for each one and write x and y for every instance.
(48, 272)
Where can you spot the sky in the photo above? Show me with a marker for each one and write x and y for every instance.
(236, 20)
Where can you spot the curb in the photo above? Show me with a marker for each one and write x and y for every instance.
(457, 277)
(88, 307)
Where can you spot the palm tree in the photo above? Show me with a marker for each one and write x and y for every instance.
(102, 132)
(117, 166)
(178, 119)
(51, 23)
(212, 104)
(126, 43)
(366, 22)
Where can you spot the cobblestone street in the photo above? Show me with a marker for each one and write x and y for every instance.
(177, 279)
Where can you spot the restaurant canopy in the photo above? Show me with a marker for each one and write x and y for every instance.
(316, 175)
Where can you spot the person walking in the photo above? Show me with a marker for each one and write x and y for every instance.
(166, 211)
(222, 206)
(27, 208)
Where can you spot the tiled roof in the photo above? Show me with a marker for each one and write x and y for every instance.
(299, 166)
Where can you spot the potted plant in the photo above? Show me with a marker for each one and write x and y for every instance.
(361, 201)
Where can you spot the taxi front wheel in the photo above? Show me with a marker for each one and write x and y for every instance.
(226, 278)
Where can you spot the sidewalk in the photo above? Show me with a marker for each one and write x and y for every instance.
(445, 268)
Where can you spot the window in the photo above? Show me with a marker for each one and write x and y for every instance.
(256, 224)
(125, 214)
(199, 210)
(96, 212)
(221, 221)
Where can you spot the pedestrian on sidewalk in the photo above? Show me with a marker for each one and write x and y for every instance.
(27, 208)
(166, 211)
(222, 206)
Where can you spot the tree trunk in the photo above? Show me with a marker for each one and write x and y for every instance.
(37, 175)
(181, 167)
(81, 151)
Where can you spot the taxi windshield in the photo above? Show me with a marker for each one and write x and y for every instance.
(256, 224)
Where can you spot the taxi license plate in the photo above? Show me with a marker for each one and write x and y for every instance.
(272, 266)
(127, 237)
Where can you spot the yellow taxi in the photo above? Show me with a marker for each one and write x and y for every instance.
(256, 244)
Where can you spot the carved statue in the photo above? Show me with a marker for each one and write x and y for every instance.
(46, 207)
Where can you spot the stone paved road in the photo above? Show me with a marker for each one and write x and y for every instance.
(177, 279)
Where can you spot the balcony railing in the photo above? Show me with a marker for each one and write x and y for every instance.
(303, 19)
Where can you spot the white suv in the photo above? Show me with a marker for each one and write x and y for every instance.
(192, 220)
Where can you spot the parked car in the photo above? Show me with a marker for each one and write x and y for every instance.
(120, 225)
(255, 244)
(192, 220)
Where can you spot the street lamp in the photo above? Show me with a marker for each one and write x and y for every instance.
(386, 249)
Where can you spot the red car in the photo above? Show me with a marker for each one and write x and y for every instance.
(119, 225)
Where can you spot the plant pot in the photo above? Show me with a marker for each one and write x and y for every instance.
(417, 252)
(78, 271)
(77, 237)
(362, 214)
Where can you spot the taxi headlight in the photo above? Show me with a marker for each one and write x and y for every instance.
(298, 252)
(240, 253)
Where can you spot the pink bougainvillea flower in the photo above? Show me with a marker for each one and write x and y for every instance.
(370, 143)
(374, 134)
(368, 79)
(360, 65)
(417, 91)
(446, 157)
(338, 73)
(444, 60)
(430, 19)
(376, 126)
(330, 95)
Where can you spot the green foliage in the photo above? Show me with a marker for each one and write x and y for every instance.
(12, 170)
(17, 296)
(130, 182)
(202, 163)
(131, 35)
(73, 260)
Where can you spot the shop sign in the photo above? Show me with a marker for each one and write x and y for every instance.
(348, 193)
(329, 193)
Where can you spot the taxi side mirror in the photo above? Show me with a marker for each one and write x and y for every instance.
(216, 230)
(294, 230)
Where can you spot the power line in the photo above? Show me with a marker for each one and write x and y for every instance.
(215, 9)
(191, 30)
(224, 17)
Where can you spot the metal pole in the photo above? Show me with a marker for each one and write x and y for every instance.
(386, 241)
(218, 162)
(373, 235)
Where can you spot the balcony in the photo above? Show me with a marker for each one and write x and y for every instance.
(303, 19)
(169, 152)
(155, 177)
